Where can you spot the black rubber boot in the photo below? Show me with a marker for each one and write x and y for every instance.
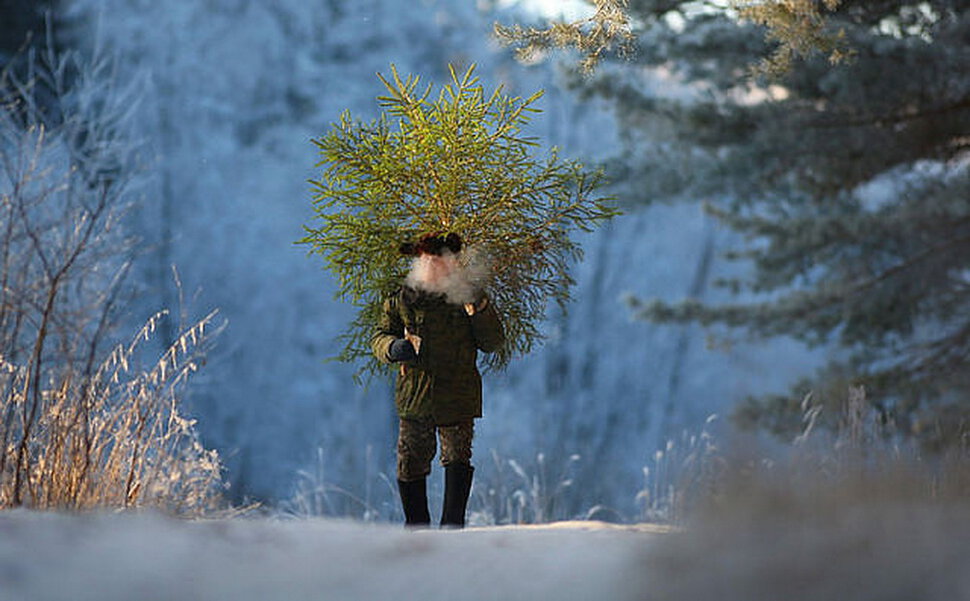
(458, 483)
(414, 501)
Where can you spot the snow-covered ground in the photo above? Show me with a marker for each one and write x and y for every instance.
(866, 544)
(145, 557)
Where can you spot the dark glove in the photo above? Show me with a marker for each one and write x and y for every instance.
(476, 307)
(401, 350)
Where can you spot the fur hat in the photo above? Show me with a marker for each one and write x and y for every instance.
(432, 244)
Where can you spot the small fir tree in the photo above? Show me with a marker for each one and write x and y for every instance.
(456, 163)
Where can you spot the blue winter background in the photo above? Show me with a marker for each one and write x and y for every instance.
(229, 95)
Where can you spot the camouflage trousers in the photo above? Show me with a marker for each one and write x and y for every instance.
(416, 446)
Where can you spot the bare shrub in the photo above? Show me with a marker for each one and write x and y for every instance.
(82, 424)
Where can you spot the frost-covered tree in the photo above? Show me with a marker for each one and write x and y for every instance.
(849, 185)
(23, 25)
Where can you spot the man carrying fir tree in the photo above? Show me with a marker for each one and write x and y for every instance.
(425, 170)
(433, 327)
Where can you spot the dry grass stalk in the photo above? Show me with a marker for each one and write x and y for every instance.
(115, 439)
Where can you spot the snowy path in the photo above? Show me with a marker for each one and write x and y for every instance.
(149, 557)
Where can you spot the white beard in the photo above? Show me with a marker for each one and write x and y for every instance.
(460, 284)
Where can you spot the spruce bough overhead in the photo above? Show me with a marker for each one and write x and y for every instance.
(796, 29)
(456, 163)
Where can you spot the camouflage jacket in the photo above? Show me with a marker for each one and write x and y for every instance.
(443, 382)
